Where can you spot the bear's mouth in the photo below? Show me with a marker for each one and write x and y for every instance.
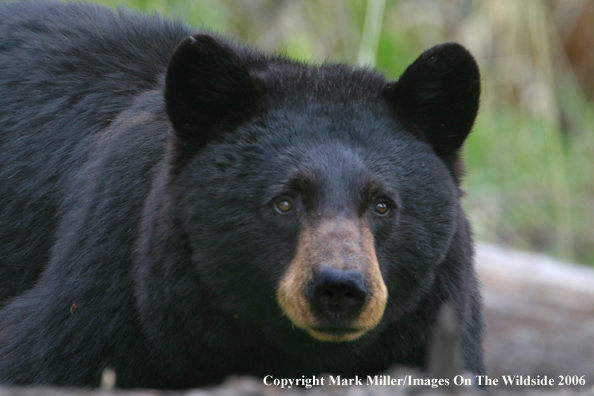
(335, 333)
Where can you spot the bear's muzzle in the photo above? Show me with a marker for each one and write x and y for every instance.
(333, 287)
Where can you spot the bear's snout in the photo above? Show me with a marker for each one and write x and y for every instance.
(337, 294)
(333, 287)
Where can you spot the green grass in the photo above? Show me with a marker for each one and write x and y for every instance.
(530, 158)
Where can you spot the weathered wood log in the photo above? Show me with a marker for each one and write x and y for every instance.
(539, 314)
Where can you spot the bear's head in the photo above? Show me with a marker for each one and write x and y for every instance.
(320, 198)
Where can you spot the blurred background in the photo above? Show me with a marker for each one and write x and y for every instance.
(530, 159)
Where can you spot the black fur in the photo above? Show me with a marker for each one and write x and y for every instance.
(138, 172)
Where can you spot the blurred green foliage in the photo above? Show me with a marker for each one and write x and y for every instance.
(530, 158)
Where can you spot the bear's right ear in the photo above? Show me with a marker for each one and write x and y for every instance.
(206, 83)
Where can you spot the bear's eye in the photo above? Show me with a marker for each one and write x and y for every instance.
(382, 208)
(283, 205)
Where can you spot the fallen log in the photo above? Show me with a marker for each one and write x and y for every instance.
(539, 315)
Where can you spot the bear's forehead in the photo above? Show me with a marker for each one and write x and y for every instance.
(308, 121)
(349, 158)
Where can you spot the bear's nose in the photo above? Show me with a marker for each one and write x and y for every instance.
(338, 294)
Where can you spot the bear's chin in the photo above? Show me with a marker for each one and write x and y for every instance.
(336, 334)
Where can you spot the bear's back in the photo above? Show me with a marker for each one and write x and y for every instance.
(67, 54)
(68, 71)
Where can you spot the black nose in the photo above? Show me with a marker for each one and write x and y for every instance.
(337, 294)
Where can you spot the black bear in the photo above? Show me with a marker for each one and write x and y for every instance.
(181, 208)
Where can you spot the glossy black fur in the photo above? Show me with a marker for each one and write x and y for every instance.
(137, 187)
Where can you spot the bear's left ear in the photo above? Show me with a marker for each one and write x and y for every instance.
(437, 96)
(206, 83)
